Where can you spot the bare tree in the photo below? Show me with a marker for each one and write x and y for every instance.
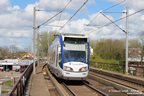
(3, 52)
(13, 49)
(141, 38)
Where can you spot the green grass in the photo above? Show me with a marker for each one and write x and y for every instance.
(3, 92)
(8, 83)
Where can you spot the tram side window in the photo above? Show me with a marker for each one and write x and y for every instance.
(60, 60)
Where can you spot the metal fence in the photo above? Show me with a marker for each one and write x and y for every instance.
(20, 85)
(134, 69)
(108, 66)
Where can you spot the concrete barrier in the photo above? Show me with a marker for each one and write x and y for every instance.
(59, 88)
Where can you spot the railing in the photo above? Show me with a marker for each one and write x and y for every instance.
(137, 69)
(20, 85)
(108, 66)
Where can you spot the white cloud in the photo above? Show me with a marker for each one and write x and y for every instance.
(16, 7)
(135, 4)
(18, 23)
(76, 26)
(72, 27)
(100, 19)
(4, 6)
(132, 18)
(135, 22)
(59, 4)
(79, 24)
(30, 7)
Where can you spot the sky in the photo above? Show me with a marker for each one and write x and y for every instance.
(16, 19)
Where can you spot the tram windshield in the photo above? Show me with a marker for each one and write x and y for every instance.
(76, 52)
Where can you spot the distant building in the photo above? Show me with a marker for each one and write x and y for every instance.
(28, 56)
(134, 55)
(13, 64)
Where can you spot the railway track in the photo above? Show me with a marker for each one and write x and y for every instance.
(87, 88)
(80, 88)
(123, 85)
(50, 87)
(104, 88)
(73, 88)
(125, 79)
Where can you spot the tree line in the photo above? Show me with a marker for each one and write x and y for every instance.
(111, 51)
(10, 52)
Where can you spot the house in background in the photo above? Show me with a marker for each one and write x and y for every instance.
(134, 59)
(28, 56)
(134, 55)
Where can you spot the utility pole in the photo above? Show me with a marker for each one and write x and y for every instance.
(34, 33)
(127, 13)
(42, 52)
(126, 52)
(48, 39)
(38, 48)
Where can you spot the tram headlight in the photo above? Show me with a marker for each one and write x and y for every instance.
(83, 69)
(68, 68)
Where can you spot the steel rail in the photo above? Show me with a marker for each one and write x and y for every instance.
(122, 78)
(67, 87)
(89, 86)
(114, 81)
(97, 90)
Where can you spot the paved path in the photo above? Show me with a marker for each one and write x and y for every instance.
(37, 85)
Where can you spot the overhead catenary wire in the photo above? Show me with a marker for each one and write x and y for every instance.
(99, 13)
(48, 10)
(116, 20)
(54, 25)
(114, 5)
(113, 22)
(90, 22)
(74, 14)
(62, 11)
(50, 19)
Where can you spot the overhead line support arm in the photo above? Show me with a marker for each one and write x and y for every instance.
(113, 22)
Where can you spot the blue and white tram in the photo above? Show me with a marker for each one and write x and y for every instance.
(68, 57)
